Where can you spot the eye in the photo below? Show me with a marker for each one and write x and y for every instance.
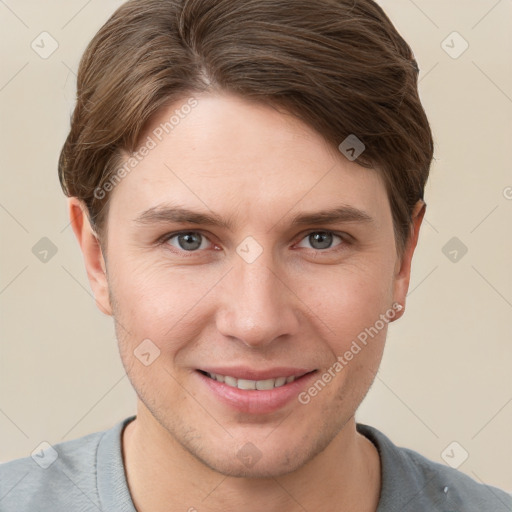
(188, 241)
(193, 241)
(321, 240)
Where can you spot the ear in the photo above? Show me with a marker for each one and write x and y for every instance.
(91, 250)
(403, 266)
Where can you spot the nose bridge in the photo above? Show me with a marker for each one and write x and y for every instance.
(257, 307)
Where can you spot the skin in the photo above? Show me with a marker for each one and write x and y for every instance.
(295, 305)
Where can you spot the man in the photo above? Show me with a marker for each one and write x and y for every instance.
(245, 181)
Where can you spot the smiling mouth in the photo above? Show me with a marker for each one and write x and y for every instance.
(247, 384)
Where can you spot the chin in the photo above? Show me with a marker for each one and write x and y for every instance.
(232, 467)
(263, 458)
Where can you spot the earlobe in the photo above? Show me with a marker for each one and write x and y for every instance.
(403, 269)
(92, 253)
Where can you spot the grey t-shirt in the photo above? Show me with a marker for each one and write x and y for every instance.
(87, 475)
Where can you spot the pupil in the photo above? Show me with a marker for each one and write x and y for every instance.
(322, 239)
(190, 241)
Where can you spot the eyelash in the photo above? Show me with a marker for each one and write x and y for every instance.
(346, 241)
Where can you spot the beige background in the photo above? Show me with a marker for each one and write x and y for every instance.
(446, 373)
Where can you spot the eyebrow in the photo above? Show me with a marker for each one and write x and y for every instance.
(167, 214)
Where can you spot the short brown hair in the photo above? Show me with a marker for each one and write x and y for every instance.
(338, 65)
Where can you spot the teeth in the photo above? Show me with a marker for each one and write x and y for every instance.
(252, 384)
(265, 384)
(246, 384)
(230, 381)
(280, 381)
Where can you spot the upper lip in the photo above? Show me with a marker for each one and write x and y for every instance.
(244, 372)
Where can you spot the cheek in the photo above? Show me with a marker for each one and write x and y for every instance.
(347, 299)
(161, 302)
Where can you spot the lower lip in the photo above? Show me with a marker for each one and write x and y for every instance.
(255, 401)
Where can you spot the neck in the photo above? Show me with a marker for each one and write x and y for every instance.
(163, 476)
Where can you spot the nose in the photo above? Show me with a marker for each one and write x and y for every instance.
(256, 304)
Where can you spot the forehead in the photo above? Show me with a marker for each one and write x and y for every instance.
(226, 153)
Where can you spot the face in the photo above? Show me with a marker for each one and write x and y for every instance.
(284, 257)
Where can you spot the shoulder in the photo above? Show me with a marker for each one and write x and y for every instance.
(53, 478)
(443, 484)
(412, 482)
